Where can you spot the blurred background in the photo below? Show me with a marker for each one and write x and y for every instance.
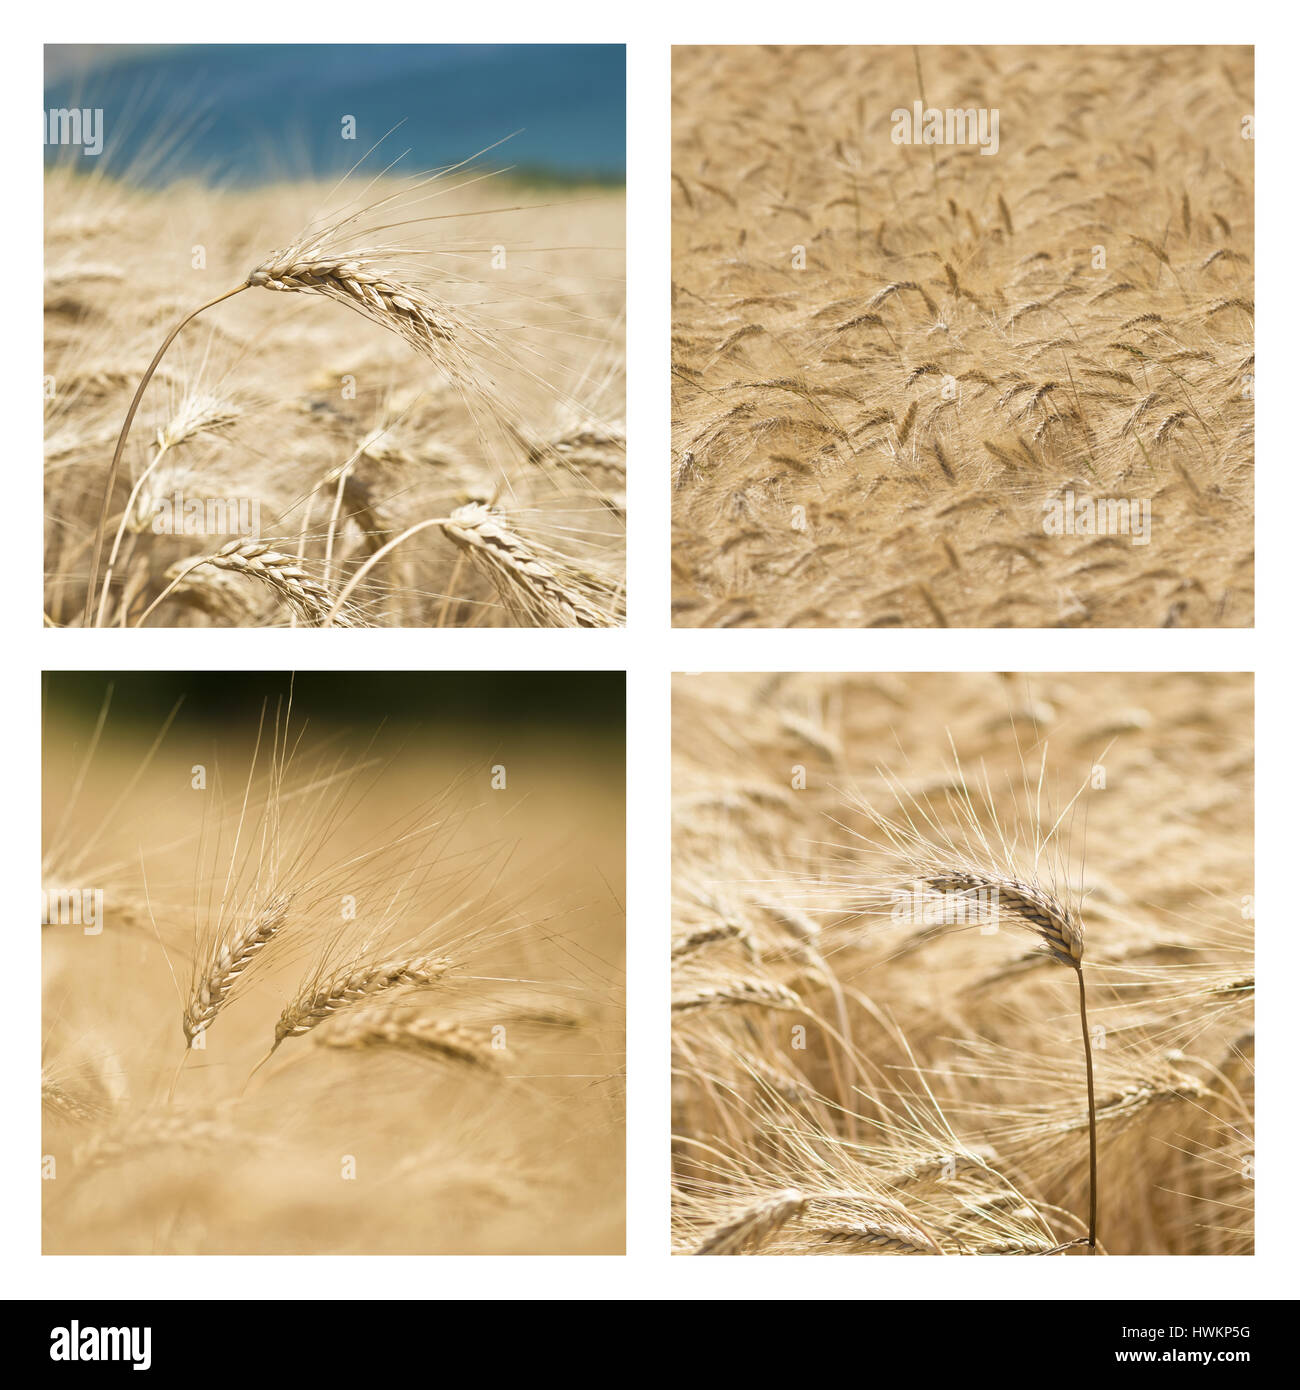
(590, 702)
(256, 113)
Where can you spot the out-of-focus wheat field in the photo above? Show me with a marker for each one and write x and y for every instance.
(851, 1076)
(894, 363)
(479, 1113)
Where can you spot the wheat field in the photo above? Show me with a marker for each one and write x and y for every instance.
(868, 1058)
(954, 384)
(442, 445)
(330, 984)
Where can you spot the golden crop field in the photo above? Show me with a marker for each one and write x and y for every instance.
(442, 445)
(935, 937)
(1002, 378)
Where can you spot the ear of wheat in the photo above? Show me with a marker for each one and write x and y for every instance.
(321, 1001)
(280, 573)
(879, 1235)
(148, 1133)
(418, 1034)
(863, 1221)
(730, 993)
(360, 284)
(231, 958)
(704, 937)
(1055, 922)
(527, 575)
(756, 1224)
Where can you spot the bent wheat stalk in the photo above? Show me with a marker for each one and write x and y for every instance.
(97, 549)
(1060, 930)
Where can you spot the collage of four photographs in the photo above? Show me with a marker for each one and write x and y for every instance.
(335, 957)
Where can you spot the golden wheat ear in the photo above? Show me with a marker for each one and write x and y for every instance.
(527, 576)
(230, 959)
(254, 560)
(749, 1229)
(320, 1000)
(361, 285)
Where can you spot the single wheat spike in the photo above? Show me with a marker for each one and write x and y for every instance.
(732, 992)
(416, 1033)
(232, 958)
(310, 599)
(524, 573)
(357, 283)
(1053, 920)
(1122, 1107)
(883, 294)
(879, 1235)
(869, 1222)
(61, 1102)
(754, 1225)
(697, 940)
(316, 1005)
(149, 1134)
(1170, 423)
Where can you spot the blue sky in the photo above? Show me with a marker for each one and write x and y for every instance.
(246, 113)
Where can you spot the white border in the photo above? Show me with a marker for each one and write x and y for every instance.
(648, 651)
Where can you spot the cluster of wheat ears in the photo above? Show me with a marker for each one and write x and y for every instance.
(459, 463)
(963, 965)
(332, 1004)
(895, 366)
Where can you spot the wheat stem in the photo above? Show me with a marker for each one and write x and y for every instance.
(372, 560)
(1092, 1117)
(98, 548)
